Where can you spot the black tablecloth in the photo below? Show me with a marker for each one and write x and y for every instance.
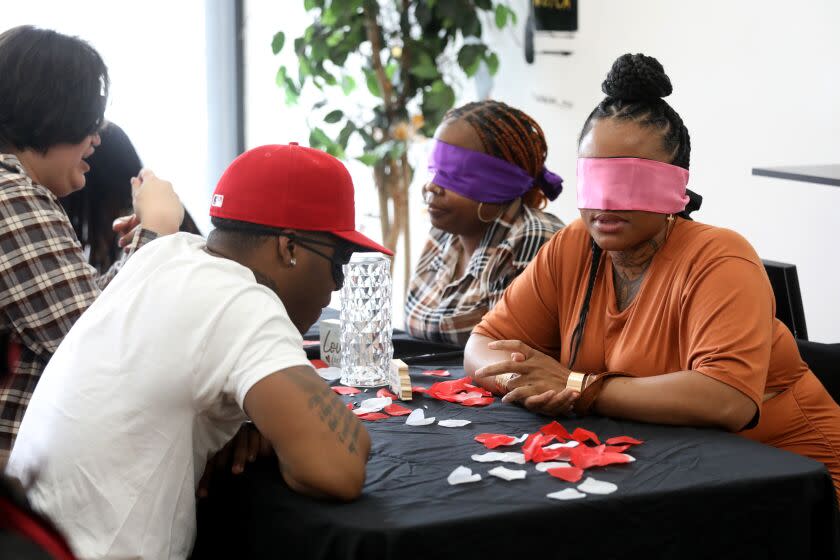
(691, 493)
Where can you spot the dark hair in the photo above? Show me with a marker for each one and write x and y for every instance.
(509, 134)
(53, 89)
(243, 236)
(634, 88)
(107, 196)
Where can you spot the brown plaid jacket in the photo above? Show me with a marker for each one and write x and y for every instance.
(441, 308)
(45, 285)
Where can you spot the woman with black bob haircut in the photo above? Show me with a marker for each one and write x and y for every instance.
(636, 312)
(53, 94)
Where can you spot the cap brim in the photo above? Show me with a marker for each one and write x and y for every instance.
(358, 239)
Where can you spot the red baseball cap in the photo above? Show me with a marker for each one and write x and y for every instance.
(290, 186)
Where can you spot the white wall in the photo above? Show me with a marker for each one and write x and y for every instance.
(756, 82)
(156, 58)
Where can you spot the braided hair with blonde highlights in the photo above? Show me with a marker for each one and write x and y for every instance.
(509, 134)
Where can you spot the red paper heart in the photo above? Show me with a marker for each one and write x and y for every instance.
(616, 448)
(386, 393)
(623, 439)
(569, 474)
(557, 430)
(372, 416)
(397, 410)
(583, 435)
(318, 364)
(559, 454)
(533, 445)
(492, 441)
(342, 390)
(437, 372)
(584, 457)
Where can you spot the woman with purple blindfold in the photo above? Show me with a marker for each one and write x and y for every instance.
(635, 311)
(487, 185)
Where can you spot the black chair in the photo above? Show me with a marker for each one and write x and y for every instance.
(789, 310)
(824, 361)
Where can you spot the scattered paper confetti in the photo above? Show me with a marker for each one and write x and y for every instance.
(342, 390)
(592, 486)
(567, 494)
(397, 410)
(533, 444)
(507, 474)
(319, 364)
(569, 474)
(373, 416)
(382, 393)
(418, 418)
(543, 467)
(437, 372)
(308, 343)
(350, 405)
(418, 389)
(462, 475)
(460, 391)
(375, 404)
(453, 423)
(502, 457)
(617, 448)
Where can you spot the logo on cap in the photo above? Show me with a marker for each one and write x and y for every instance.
(217, 201)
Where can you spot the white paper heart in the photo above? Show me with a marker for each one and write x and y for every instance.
(571, 443)
(543, 467)
(418, 418)
(329, 373)
(567, 494)
(507, 474)
(592, 486)
(502, 457)
(462, 475)
(453, 423)
(375, 404)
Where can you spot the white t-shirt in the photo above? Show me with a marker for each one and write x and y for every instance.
(148, 383)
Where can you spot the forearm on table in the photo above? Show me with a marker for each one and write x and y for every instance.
(478, 355)
(684, 398)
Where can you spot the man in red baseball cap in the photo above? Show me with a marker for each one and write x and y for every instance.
(190, 339)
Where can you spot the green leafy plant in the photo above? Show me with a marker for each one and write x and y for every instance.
(409, 56)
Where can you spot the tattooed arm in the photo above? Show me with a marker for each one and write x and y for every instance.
(321, 445)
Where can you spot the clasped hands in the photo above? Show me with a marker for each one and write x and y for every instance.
(530, 378)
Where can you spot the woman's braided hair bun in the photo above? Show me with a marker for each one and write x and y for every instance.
(636, 77)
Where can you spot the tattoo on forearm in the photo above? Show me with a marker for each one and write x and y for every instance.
(330, 409)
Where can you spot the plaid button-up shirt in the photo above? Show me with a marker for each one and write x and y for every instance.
(441, 308)
(45, 285)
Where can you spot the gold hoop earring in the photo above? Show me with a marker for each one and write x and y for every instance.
(493, 219)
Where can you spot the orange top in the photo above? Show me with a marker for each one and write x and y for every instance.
(705, 305)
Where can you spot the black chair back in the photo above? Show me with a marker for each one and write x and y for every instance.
(789, 310)
(824, 361)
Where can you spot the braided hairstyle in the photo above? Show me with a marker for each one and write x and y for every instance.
(634, 88)
(509, 134)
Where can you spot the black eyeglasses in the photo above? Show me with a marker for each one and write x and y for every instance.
(342, 251)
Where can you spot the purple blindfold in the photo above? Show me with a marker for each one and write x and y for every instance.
(485, 178)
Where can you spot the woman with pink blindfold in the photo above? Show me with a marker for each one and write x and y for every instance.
(487, 185)
(635, 311)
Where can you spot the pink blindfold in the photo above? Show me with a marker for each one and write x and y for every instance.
(631, 184)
